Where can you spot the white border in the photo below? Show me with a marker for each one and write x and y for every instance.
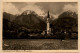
(39, 51)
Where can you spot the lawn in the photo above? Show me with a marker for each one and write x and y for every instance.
(40, 44)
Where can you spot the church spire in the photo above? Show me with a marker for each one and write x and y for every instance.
(48, 16)
(48, 24)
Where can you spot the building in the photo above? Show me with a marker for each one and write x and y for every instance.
(48, 24)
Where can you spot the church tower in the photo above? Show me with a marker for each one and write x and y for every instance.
(48, 24)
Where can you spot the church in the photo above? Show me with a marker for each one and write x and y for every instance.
(48, 28)
(48, 24)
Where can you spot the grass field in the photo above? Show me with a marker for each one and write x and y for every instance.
(39, 44)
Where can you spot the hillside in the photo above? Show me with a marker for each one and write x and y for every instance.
(30, 20)
(66, 21)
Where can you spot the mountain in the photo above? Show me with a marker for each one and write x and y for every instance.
(66, 21)
(29, 23)
(31, 20)
(9, 16)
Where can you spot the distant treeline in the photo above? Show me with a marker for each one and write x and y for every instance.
(12, 30)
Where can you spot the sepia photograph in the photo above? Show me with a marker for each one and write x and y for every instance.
(40, 26)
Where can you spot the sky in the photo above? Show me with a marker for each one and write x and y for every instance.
(41, 8)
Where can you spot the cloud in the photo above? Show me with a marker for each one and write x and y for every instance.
(40, 8)
(73, 8)
(33, 7)
(55, 16)
(67, 7)
(10, 8)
